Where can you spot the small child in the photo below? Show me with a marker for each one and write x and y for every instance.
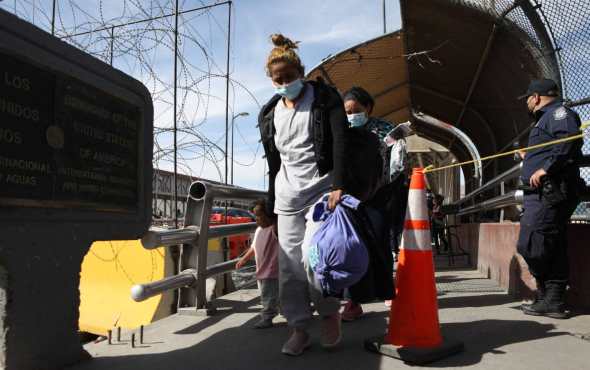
(265, 247)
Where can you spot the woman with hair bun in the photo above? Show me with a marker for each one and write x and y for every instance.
(302, 129)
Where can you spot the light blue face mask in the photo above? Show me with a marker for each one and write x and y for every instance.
(357, 119)
(290, 90)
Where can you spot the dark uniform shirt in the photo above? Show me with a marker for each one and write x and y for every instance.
(554, 121)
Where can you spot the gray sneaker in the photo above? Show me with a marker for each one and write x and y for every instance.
(263, 323)
(331, 331)
(297, 343)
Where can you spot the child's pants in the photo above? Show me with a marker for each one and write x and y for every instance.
(297, 286)
(269, 297)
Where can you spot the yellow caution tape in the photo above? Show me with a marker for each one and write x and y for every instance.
(584, 125)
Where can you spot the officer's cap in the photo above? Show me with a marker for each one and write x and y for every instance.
(543, 87)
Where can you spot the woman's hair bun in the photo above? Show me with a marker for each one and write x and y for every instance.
(281, 41)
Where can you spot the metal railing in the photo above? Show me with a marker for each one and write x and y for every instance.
(510, 174)
(194, 239)
(462, 207)
(510, 199)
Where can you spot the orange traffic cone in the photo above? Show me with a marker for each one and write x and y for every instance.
(414, 333)
(413, 318)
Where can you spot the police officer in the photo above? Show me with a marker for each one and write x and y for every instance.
(551, 180)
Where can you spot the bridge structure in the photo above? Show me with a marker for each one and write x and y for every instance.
(453, 71)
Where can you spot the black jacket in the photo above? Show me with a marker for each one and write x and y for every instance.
(363, 163)
(328, 125)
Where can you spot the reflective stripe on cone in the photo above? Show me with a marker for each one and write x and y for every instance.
(413, 318)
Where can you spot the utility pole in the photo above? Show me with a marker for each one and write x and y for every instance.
(175, 114)
(243, 114)
(227, 87)
(384, 19)
(53, 19)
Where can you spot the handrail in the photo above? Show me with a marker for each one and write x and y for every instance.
(231, 229)
(458, 207)
(201, 189)
(506, 200)
(194, 238)
(158, 237)
(504, 176)
(221, 268)
(141, 292)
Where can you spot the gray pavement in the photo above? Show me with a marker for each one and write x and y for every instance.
(471, 308)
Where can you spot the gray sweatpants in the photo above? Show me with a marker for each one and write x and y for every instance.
(297, 286)
(269, 298)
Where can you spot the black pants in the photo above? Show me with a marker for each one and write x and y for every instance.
(438, 234)
(543, 238)
(398, 209)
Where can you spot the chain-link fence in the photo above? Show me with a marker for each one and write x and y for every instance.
(570, 25)
(560, 32)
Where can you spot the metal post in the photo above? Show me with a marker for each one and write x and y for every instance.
(384, 20)
(233, 118)
(264, 173)
(175, 113)
(502, 192)
(53, 19)
(232, 149)
(227, 85)
(112, 43)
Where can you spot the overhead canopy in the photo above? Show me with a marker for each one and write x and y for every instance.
(379, 67)
(459, 63)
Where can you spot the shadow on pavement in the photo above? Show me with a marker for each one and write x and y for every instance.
(458, 279)
(488, 336)
(482, 300)
(225, 308)
(242, 347)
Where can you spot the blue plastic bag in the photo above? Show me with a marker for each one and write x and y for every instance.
(337, 255)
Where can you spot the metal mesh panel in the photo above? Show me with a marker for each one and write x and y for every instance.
(567, 24)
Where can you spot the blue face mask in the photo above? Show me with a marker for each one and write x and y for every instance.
(357, 119)
(290, 90)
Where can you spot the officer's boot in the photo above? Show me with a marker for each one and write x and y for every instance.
(539, 294)
(553, 305)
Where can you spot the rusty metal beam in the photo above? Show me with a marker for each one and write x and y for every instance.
(484, 58)
(326, 75)
(390, 89)
(394, 111)
(459, 102)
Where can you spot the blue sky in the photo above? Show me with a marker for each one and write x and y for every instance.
(322, 27)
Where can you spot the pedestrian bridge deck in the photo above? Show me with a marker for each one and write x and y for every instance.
(472, 308)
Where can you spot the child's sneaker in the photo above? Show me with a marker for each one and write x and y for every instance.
(352, 311)
(298, 342)
(263, 323)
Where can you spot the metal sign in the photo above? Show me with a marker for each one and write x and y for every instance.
(64, 142)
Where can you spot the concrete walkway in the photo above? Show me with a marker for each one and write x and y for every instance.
(496, 336)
